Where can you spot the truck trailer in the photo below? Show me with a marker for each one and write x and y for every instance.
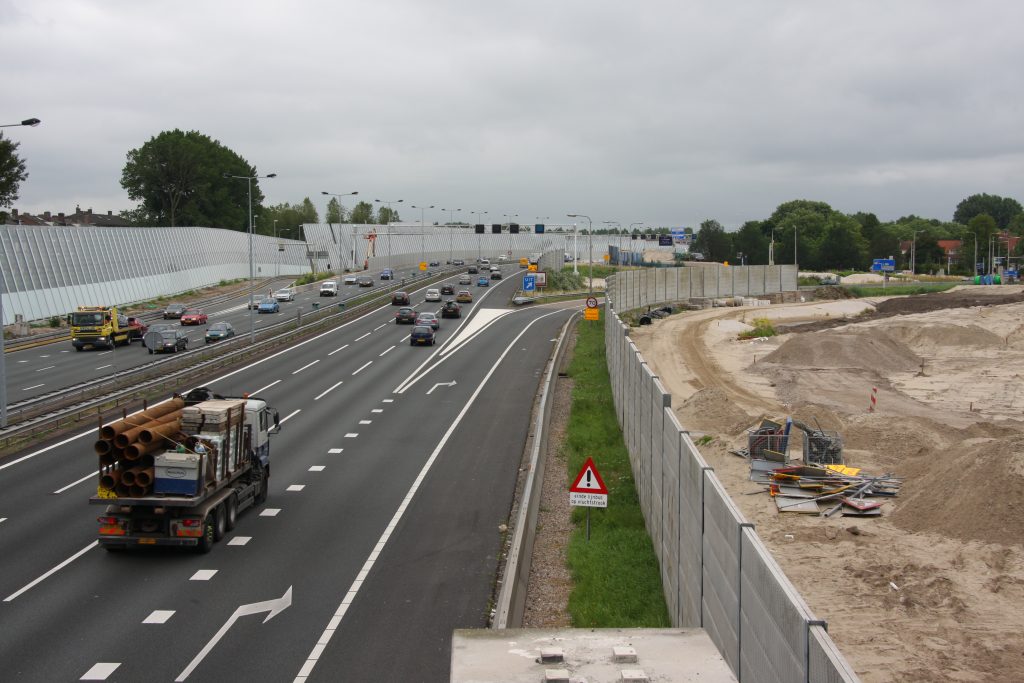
(180, 473)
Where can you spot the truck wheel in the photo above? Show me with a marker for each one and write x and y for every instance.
(220, 522)
(207, 540)
(232, 511)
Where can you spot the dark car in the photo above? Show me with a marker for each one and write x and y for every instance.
(421, 334)
(387, 274)
(364, 281)
(406, 316)
(451, 310)
(447, 290)
(170, 341)
(174, 311)
(428, 319)
(473, 270)
(495, 274)
(483, 282)
(218, 331)
(458, 262)
(435, 264)
(400, 299)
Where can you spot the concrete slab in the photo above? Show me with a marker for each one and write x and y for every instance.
(514, 655)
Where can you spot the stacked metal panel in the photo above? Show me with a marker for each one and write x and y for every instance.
(670, 512)
(721, 569)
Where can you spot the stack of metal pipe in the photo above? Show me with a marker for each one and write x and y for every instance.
(125, 448)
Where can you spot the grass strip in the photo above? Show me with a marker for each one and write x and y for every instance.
(617, 582)
(899, 290)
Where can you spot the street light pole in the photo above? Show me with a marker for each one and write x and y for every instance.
(451, 236)
(388, 226)
(352, 263)
(248, 179)
(590, 242)
(422, 249)
(631, 230)
(3, 366)
(479, 255)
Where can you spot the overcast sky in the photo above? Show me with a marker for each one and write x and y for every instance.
(662, 112)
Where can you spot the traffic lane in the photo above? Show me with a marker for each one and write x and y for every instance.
(384, 482)
(437, 572)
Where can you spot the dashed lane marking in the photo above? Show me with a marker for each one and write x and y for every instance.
(364, 336)
(240, 540)
(321, 395)
(203, 575)
(159, 616)
(351, 435)
(295, 487)
(341, 348)
(258, 391)
(317, 468)
(366, 422)
(307, 365)
(368, 364)
(270, 512)
(382, 355)
(100, 671)
(332, 451)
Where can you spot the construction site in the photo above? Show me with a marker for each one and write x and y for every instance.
(911, 406)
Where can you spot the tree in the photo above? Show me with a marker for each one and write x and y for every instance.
(713, 241)
(12, 171)
(178, 178)
(842, 245)
(1002, 209)
(751, 241)
(335, 211)
(981, 228)
(362, 213)
(286, 216)
(387, 215)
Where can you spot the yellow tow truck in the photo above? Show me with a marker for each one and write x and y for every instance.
(103, 326)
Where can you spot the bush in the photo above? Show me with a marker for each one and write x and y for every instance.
(762, 328)
(563, 281)
(314, 277)
(55, 321)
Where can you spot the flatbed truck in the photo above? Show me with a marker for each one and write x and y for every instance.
(199, 491)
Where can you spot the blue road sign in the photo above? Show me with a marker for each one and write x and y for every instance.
(529, 283)
(885, 265)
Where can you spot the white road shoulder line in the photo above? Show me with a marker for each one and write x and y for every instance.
(50, 573)
(34, 386)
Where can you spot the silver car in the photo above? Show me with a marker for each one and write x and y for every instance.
(284, 295)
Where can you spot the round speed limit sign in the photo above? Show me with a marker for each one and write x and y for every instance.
(591, 302)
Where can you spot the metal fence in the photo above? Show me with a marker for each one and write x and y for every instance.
(716, 572)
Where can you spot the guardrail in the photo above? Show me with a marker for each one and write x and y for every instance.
(29, 420)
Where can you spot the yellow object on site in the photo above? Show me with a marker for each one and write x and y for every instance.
(843, 469)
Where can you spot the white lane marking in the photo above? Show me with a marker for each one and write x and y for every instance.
(45, 355)
(350, 596)
(332, 451)
(61, 352)
(366, 422)
(34, 386)
(351, 435)
(159, 616)
(441, 384)
(203, 575)
(388, 400)
(102, 367)
(295, 487)
(75, 483)
(307, 365)
(100, 671)
(377, 410)
(4, 519)
(291, 415)
(262, 389)
(364, 336)
(104, 353)
(405, 338)
(324, 393)
(316, 468)
(380, 326)
(92, 432)
(270, 512)
(230, 310)
(382, 355)
(50, 367)
(22, 361)
(53, 571)
(368, 364)
(240, 540)
(340, 348)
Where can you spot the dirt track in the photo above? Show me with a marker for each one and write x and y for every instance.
(948, 420)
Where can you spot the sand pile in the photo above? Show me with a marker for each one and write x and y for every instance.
(712, 410)
(846, 349)
(925, 338)
(973, 492)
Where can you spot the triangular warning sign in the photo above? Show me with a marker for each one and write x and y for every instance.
(588, 480)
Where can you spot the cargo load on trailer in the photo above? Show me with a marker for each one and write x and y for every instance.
(179, 473)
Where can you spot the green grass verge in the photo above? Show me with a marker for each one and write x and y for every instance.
(896, 290)
(762, 328)
(617, 582)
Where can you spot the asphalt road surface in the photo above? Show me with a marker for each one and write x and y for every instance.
(393, 470)
(57, 366)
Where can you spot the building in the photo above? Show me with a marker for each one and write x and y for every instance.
(79, 218)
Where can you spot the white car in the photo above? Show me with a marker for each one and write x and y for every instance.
(351, 279)
(433, 295)
(502, 257)
(495, 269)
(329, 288)
(284, 295)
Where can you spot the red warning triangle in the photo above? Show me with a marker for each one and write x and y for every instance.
(588, 480)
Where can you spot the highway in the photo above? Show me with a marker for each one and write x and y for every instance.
(394, 468)
(43, 369)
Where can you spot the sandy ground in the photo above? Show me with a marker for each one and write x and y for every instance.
(934, 589)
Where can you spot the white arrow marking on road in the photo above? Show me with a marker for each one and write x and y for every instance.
(275, 607)
(441, 384)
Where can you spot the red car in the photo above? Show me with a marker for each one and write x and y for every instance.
(193, 317)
